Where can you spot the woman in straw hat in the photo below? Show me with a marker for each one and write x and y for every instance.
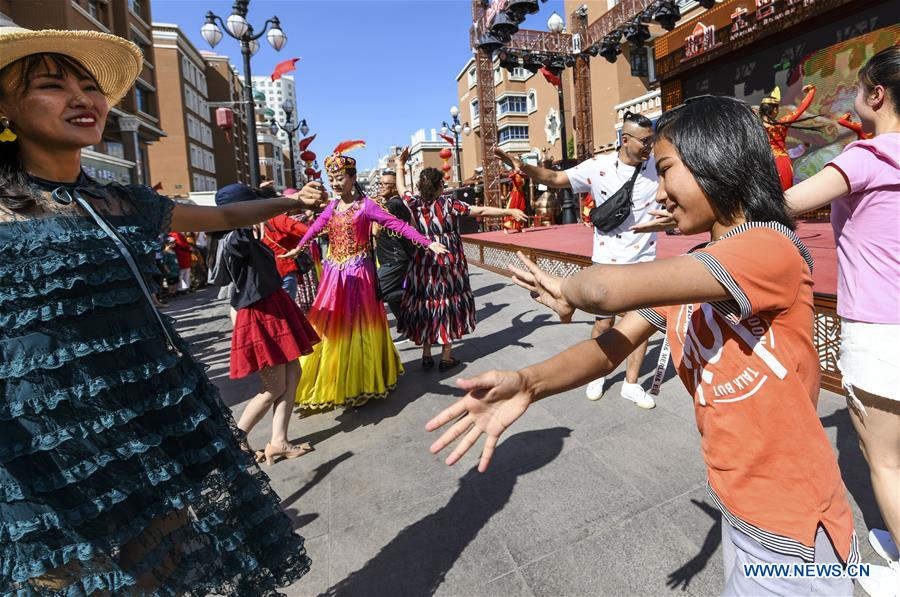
(121, 470)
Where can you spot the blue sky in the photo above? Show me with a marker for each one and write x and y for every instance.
(376, 70)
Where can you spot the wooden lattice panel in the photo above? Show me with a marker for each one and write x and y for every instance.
(500, 258)
(558, 267)
(472, 252)
(827, 336)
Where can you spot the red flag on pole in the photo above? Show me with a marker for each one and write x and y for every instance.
(448, 139)
(551, 78)
(284, 67)
(304, 143)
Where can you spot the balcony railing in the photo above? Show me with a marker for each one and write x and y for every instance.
(645, 104)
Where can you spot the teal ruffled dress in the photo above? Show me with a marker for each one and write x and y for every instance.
(121, 470)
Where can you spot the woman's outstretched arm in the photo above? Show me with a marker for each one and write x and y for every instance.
(496, 399)
(611, 289)
(196, 218)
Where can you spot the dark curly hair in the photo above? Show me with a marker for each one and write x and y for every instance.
(431, 183)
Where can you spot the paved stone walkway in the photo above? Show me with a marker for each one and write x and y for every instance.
(583, 498)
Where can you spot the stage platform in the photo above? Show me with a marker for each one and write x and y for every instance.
(563, 250)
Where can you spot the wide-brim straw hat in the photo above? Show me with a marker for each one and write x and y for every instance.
(113, 61)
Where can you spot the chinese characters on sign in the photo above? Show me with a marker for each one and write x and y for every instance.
(768, 12)
(740, 25)
(702, 39)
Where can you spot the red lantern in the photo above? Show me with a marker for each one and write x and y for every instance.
(310, 172)
(308, 157)
(446, 154)
(446, 167)
(225, 118)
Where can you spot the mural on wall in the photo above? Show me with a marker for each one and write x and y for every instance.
(827, 58)
(833, 71)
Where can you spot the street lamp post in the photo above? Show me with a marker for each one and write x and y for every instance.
(457, 127)
(569, 212)
(290, 128)
(238, 28)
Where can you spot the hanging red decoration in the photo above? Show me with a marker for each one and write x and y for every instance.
(445, 154)
(308, 156)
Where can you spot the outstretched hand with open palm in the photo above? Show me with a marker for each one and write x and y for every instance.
(495, 400)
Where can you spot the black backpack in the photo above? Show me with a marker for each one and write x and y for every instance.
(610, 214)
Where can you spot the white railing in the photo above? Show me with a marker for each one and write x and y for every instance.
(649, 102)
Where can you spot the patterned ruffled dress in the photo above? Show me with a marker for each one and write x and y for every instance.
(356, 360)
(120, 467)
(438, 306)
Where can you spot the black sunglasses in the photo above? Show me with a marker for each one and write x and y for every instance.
(647, 141)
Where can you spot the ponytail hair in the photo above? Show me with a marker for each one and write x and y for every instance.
(883, 69)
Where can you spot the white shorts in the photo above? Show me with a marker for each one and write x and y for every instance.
(868, 358)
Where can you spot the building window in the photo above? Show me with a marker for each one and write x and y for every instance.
(519, 74)
(114, 149)
(473, 77)
(139, 42)
(475, 109)
(512, 104)
(196, 156)
(93, 9)
(143, 99)
(498, 74)
(532, 101)
(135, 7)
(514, 132)
(638, 60)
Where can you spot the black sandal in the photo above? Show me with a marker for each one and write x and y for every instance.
(427, 363)
(447, 365)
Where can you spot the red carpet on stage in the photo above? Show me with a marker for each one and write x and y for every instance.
(576, 239)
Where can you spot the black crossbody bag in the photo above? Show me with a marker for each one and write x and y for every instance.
(610, 214)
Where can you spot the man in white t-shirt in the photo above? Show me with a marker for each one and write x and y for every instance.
(602, 176)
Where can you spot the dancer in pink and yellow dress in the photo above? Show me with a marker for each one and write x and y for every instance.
(356, 360)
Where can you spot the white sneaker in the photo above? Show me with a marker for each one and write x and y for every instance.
(883, 581)
(884, 545)
(635, 393)
(595, 389)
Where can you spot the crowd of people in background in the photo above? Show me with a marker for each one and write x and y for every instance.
(121, 469)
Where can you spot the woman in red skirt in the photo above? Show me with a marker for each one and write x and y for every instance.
(270, 331)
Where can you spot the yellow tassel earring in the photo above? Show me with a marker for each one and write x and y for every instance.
(6, 134)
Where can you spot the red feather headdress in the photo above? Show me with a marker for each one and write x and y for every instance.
(338, 162)
(347, 146)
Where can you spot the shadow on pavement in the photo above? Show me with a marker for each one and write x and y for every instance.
(319, 473)
(417, 560)
(854, 469)
(488, 310)
(681, 578)
(484, 290)
(299, 520)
